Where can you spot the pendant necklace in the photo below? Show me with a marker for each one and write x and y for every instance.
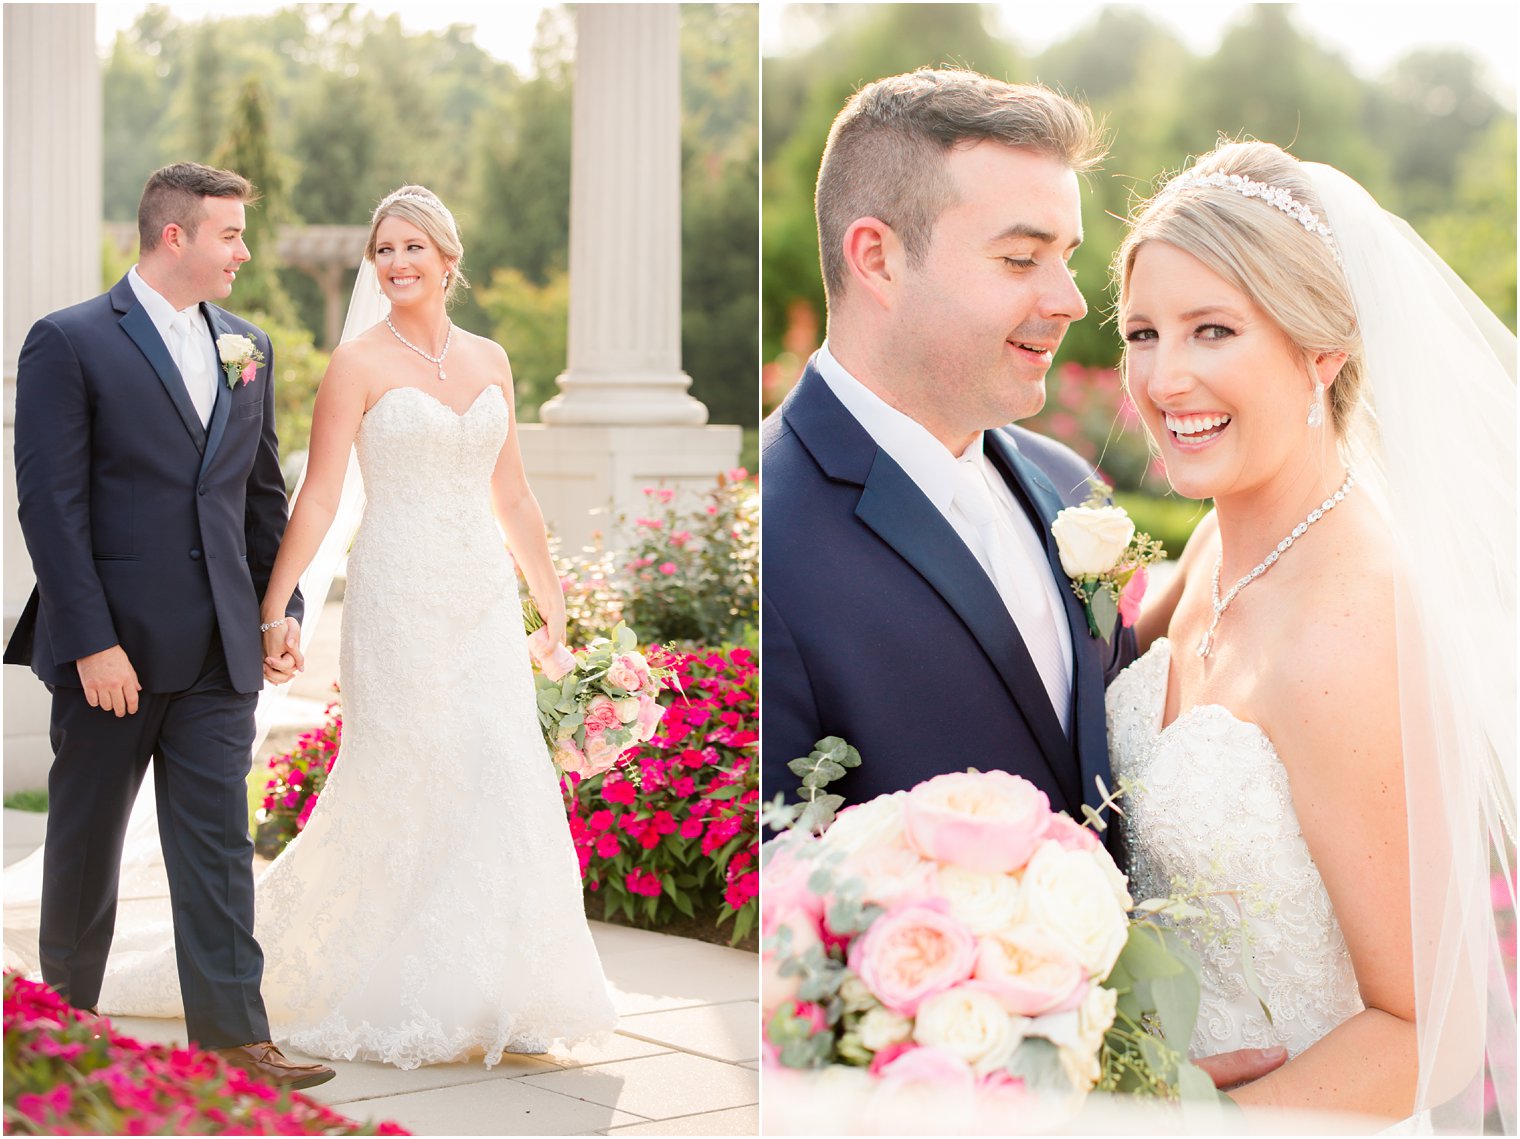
(1268, 562)
(428, 356)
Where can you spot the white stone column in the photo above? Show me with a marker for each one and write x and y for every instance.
(625, 223)
(52, 259)
(623, 419)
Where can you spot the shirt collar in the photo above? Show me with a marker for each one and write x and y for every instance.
(160, 310)
(911, 445)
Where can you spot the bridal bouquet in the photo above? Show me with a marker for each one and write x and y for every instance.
(603, 703)
(962, 938)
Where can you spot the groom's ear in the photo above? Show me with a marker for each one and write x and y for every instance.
(874, 257)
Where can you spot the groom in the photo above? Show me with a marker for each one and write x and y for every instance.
(152, 504)
(913, 599)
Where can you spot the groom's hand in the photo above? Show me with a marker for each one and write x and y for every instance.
(1231, 1069)
(110, 681)
(282, 648)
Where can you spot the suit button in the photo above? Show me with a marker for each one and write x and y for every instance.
(195, 555)
(201, 489)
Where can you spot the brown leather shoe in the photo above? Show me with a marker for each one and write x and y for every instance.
(264, 1062)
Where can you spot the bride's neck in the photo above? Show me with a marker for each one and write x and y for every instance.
(426, 329)
(1252, 522)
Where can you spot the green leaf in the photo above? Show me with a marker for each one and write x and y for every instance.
(1176, 1000)
(1193, 1083)
(1105, 613)
(1038, 1062)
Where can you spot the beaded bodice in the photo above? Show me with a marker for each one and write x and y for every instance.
(1213, 813)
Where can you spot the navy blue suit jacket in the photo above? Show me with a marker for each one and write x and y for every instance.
(144, 527)
(879, 625)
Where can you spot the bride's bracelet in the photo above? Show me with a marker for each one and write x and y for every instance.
(267, 625)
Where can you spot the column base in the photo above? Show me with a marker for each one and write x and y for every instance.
(585, 476)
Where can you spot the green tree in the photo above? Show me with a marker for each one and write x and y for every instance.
(249, 150)
(531, 322)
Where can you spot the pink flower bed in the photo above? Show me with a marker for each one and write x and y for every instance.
(682, 837)
(70, 1073)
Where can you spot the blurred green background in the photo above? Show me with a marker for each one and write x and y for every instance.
(1432, 137)
(328, 107)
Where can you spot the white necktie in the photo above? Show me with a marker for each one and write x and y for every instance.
(191, 364)
(1025, 601)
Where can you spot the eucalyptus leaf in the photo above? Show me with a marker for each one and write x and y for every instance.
(1176, 998)
(1105, 612)
(1038, 1062)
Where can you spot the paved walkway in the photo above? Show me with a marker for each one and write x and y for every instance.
(683, 1061)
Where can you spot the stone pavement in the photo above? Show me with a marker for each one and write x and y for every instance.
(683, 1061)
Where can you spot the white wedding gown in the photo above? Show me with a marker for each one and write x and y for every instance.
(1215, 812)
(431, 909)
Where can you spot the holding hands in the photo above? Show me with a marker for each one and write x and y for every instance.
(282, 651)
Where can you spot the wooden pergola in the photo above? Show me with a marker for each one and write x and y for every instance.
(328, 254)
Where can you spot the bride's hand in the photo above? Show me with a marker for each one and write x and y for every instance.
(282, 651)
(554, 626)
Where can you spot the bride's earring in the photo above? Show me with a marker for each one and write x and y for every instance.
(1316, 408)
(445, 280)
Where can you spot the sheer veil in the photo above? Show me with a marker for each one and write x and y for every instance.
(142, 867)
(1436, 445)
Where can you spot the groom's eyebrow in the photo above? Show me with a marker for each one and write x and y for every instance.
(1024, 229)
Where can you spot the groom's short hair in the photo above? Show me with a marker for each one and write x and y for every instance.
(885, 157)
(174, 193)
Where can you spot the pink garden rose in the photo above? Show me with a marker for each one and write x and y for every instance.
(601, 714)
(1029, 973)
(1130, 597)
(650, 711)
(1071, 835)
(570, 759)
(623, 675)
(912, 952)
(929, 1066)
(989, 821)
(601, 753)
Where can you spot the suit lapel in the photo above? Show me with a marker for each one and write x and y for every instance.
(898, 512)
(1089, 720)
(137, 324)
(222, 408)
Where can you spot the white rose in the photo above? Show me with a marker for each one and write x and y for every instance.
(1078, 1035)
(628, 709)
(230, 347)
(855, 995)
(882, 1027)
(1116, 879)
(878, 822)
(969, 1022)
(1068, 896)
(1091, 539)
(983, 903)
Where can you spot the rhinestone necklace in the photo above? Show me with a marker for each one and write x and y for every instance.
(1268, 562)
(428, 356)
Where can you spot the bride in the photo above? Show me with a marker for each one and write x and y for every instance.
(431, 908)
(1321, 730)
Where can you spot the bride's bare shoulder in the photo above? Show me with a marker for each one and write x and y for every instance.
(1338, 644)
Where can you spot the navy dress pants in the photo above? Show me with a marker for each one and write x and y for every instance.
(200, 743)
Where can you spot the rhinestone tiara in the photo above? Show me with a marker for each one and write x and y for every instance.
(424, 198)
(1277, 197)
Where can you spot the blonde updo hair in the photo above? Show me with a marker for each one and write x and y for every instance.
(1289, 272)
(424, 209)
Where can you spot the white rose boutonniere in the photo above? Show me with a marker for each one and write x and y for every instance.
(1105, 559)
(240, 358)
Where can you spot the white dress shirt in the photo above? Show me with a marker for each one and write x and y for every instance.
(188, 337)
(994, 527)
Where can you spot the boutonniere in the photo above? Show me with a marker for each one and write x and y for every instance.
(240, 358)
(1105, 559)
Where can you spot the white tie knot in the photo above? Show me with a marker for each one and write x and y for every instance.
(972, 497)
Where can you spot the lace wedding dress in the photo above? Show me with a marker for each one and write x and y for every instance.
(1214, 812)
(431, 909)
